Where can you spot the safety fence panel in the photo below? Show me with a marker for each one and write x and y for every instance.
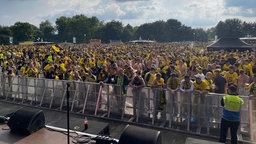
(179, 110)
(198, 113)
(39, 91)
(252, 119)
(116, 101)
(48, 93)
(85, 98)
(138, 103)
(10, 86)
(59, 93)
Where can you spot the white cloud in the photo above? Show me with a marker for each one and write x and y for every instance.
(233, 10)
(250, 11)
(196, 13)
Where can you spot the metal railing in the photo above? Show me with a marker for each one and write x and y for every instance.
(188, 112)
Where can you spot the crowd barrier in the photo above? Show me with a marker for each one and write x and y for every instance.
(188, 112)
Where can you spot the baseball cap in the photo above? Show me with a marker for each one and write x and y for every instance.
(199, 76)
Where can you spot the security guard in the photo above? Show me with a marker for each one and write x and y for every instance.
(232, 104)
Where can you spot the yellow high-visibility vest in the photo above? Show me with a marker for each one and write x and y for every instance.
(233, 103)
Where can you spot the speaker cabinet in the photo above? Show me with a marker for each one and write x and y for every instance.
(26, 121)
(138, 135)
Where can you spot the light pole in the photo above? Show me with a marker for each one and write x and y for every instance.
(85, 38)
(194, 36)
(253, 31)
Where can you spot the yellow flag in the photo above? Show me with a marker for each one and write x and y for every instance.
(55, 48)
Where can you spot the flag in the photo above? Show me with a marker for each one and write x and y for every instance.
(55, 48)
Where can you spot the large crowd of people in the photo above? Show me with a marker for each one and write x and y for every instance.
(183, 67)
(102, 63)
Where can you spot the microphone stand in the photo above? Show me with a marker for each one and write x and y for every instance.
(68, 85)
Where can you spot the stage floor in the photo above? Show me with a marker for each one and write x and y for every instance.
(59, 119)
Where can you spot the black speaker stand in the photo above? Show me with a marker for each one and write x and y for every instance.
(68, 85)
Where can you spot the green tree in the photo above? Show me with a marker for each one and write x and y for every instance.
(128, 33)
(94, 25)
(78, 27)
(230, 28)
(200, 35)
(169, 31)
(47, 31)
(144, 31)
(158, 30)
(186, 34)
(211, 33)
(112, 31)
(173, 28)
(62, 25)
(24, 32)
(249, 29)
(5, 34)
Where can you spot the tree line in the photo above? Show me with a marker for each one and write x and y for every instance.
(84, 28)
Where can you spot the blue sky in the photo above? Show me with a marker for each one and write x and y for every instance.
(194, 13)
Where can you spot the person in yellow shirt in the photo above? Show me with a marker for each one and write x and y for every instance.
(247, 67)
(226, 66)
(23, 69)
(164, 70)
(5, 65)
(10, 73)
(159, 95)
(231, 76)
(101, 61)
(60, 71)
(49, 70)
(92, 62)
(130, 73)
(173, 84)
(209, 81)
(90, 77)
(182, 67)
(200, 85)
(32, 71)
(199, 101)
(172, 69)
(150, 77)
(1, 58)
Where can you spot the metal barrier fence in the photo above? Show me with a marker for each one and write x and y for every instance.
(190, 112)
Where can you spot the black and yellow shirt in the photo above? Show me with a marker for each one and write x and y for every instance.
(231, 77)
(149, 78)
(201, 86)
(173, 83)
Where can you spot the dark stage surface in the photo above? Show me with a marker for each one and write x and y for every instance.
(95, 126)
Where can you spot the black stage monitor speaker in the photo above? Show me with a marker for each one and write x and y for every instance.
(138, 135)
(26, 121)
